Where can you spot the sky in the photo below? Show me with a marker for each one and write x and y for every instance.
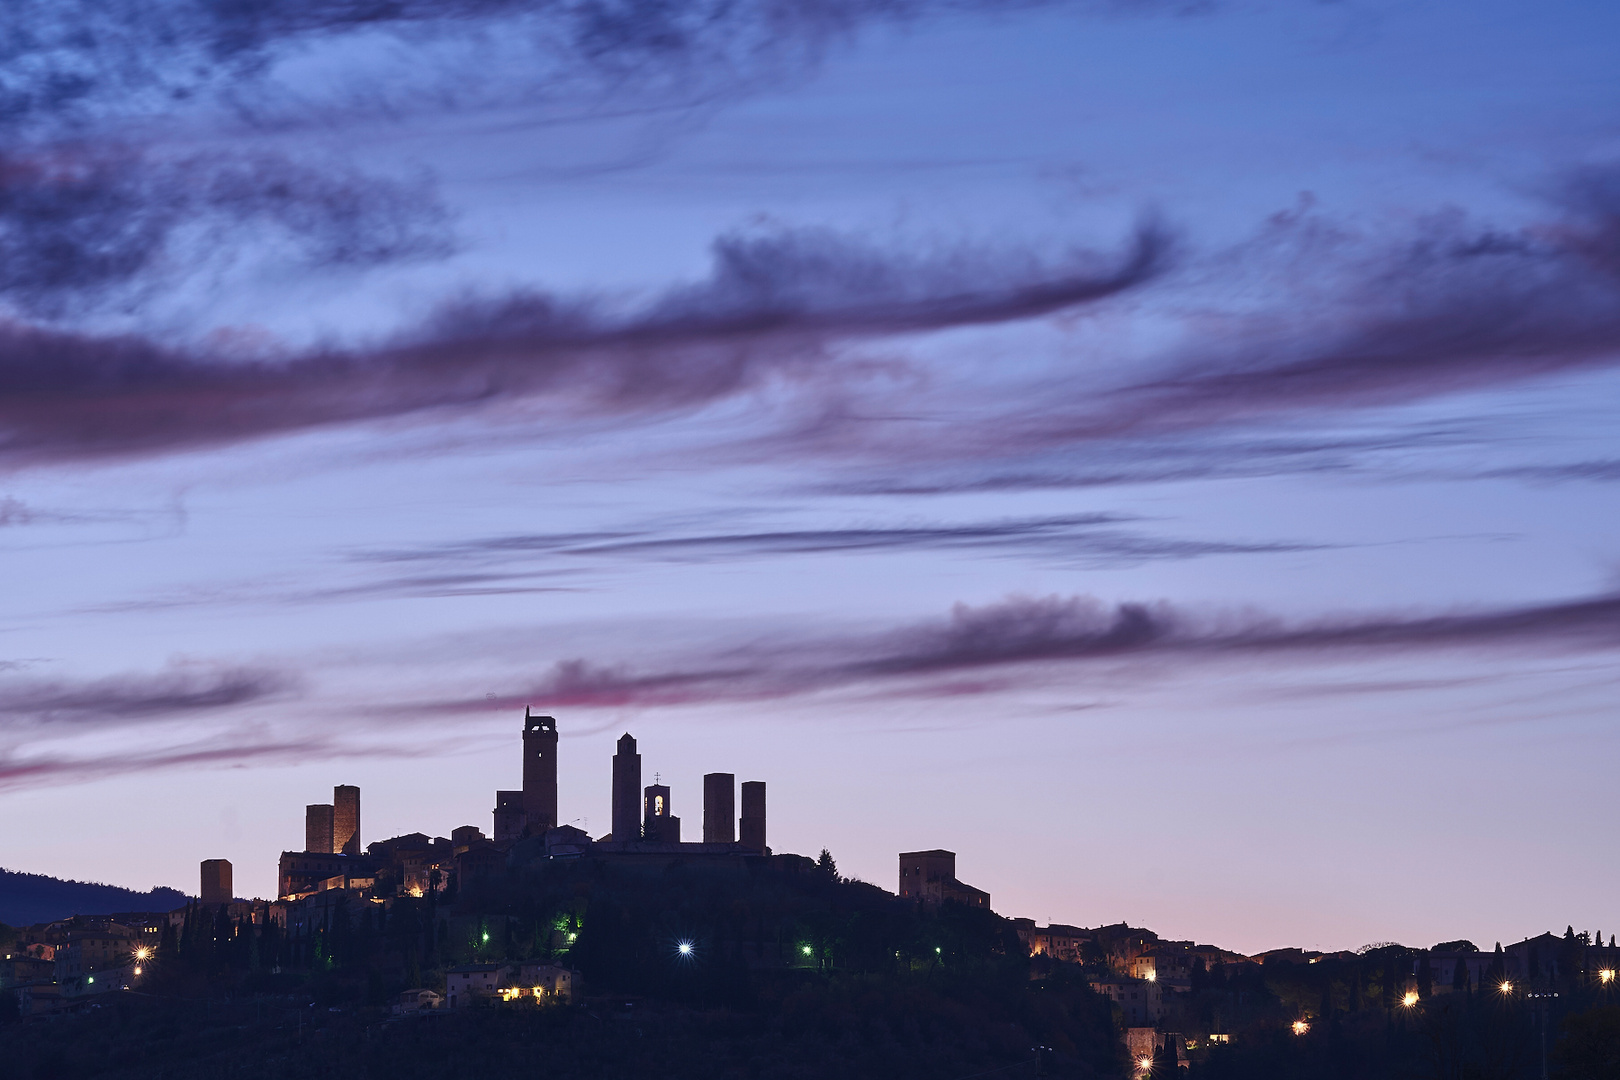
(1162, 452)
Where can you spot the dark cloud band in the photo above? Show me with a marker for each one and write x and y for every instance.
(772, 307)
(926, 658)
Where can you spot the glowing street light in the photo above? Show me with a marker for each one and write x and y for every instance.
(1410, 999)
(684, 948)
(807, 950)
(1506, 987)
(142, 952)
(1301, 1027)
(1144, 1064)
(1606, 975)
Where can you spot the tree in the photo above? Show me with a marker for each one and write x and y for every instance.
(1459, 975)
(826, 865)
(1590, 1047)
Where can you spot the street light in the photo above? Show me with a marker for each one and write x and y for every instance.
(1410, 999)
(1606, 975)
(1301, 1027)
(684, 948)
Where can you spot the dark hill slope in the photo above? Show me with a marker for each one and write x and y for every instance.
(33, 898)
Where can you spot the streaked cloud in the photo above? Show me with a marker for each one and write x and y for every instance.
(185, 690)
(771, 308)
(89, 222)
(1055, 632)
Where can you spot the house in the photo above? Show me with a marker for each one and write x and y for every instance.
(415, 1001)
(465, 984)
(1141, 1003)
(544, 982)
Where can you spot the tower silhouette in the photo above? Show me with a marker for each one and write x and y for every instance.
(539, 771)
(627, 791)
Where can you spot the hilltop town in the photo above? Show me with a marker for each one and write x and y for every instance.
(539, 914)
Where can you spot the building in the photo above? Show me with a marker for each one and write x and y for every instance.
(301, 872)
(105, 953)
(719, 808)
(539, 772)
(415, 1001)
(751, 826)
(930, 876)
(542, 981)
(318, 828)
(1141, 1003)
(510, 819)
(657, 822)
(346, 819)
(468, 982)
(1059, 941)
(626, 790)
(216, 883)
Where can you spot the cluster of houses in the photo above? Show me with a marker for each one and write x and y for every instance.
(70, 963)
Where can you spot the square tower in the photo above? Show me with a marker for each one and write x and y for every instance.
(346, 819)
(751, 828)
(626, 782)
(509, 816)
(720, 808)
(539, 771)
(216, 882)
(318, 828)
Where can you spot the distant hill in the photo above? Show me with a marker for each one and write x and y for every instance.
(33, 898)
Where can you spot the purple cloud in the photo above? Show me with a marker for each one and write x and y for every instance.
(135, 698)
(80, 223)
(975, 649)
(770, 308)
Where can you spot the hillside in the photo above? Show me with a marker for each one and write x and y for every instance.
(33, 898)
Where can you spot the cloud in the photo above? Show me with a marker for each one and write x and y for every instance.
(31, 771)
(1093, 539)
(1349, 325)
(73, 64)
(988, 648)
(79, 224)
(771, 308)
(135, 698)
(1456, 307)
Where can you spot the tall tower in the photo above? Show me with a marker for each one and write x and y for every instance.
(539, 771)
(216, 882)
(751, 829)
(346, 819)
(719, 808)
(318, 828)
(627, 790)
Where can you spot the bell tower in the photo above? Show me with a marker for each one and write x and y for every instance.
(539, 771)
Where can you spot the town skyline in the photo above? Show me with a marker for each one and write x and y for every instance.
(1161, 452)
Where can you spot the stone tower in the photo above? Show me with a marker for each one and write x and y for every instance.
(216, 882)
(539, 771)
(627, 790)
(318, 828)
(751, 827)
(719, 808)
(346, 819)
